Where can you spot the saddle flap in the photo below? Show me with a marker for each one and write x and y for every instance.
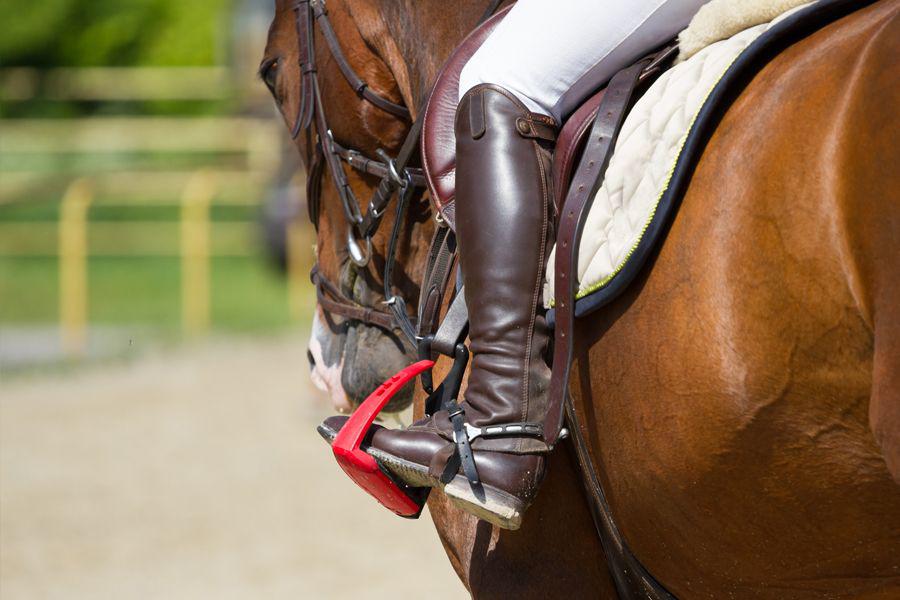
(438, 137)
(439, 140)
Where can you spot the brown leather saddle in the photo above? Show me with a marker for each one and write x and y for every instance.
(439, 143)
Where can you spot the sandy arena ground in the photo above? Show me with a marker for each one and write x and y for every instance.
(196, 474)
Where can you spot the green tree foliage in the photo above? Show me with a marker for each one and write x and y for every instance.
(46, 33)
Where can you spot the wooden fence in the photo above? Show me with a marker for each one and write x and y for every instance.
(102, 161)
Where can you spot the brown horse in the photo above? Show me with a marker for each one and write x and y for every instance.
(742, 399)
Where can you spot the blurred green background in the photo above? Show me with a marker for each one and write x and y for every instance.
(113, 32)
(135, 99)
(157, 419)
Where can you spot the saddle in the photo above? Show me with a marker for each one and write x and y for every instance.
(438, 144)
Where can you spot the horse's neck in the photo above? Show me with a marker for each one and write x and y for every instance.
(415, 37)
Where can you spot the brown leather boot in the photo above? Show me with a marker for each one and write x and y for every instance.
(502, 222)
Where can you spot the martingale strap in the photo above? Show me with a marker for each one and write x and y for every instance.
(392, 300)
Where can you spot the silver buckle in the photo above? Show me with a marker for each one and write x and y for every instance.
(473, 432)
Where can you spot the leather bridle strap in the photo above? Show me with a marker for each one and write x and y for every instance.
(410, 145)
(356, 82)
(333, 301)
(389, 185)
(307, 63)
(305, 11)
(362, 163)
(396, 174)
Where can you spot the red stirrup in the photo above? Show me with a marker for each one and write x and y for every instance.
(362, 468)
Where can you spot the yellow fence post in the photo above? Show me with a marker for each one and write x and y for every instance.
(195, 202)
(73, 251)
(297, 276)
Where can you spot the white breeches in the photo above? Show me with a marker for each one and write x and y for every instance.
(553, 53)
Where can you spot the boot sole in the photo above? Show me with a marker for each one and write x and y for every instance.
(497, 507)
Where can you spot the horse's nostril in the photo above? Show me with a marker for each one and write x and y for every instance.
(311, 359)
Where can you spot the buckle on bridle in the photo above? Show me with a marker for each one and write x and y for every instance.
(359, 257)
(401, 181)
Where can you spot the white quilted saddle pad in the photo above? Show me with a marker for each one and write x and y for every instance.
(644, 159)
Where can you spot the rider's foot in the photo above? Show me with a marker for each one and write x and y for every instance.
(418, 456)
(502, 223)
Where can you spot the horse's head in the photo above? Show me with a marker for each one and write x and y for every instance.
(340, 338)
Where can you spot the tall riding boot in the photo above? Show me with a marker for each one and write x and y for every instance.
(503, 201)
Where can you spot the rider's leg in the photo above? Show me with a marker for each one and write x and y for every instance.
(552, 55)
(503, 166)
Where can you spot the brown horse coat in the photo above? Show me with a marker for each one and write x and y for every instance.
(741, 399)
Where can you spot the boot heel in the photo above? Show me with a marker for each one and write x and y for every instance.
(498, 508)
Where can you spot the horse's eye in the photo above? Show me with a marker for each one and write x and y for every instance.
(270, 76)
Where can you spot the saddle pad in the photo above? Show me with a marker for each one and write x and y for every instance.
(641, 167)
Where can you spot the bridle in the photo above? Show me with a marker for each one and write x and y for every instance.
(327, 154)
(396, 175)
